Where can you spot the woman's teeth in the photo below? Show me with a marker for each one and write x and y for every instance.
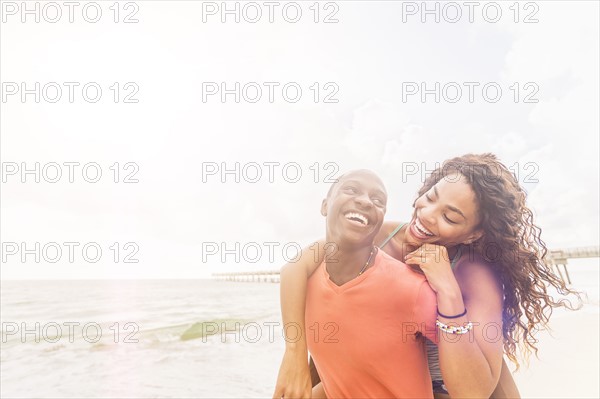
(422, 229)
(357, 217)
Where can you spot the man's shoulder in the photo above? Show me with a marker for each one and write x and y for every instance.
(393, 266)
(389, 260)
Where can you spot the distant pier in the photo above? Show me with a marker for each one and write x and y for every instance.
(264, 276)
(557, 258)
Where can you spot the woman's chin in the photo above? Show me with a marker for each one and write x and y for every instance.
(410, 239)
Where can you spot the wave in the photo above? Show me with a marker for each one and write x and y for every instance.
(212, 327)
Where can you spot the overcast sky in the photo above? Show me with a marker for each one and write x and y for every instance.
(544, 124)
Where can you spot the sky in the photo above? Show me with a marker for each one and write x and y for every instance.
(356, 89)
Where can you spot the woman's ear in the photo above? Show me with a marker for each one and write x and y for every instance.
(324, 207)
(477, 234)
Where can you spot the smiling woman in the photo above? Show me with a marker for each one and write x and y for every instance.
(447, 214)
(473, 237)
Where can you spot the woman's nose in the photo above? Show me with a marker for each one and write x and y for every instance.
(427, 215)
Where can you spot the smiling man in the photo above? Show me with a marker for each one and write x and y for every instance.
(365, 310)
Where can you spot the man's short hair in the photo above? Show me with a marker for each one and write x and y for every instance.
(344, 175)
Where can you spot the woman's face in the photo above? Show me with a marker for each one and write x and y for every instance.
(447, 214)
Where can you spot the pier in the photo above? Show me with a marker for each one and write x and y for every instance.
(264, 276)
(557, 258)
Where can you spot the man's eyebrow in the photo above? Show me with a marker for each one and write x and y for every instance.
(454, 209)
(349, 181)
(378, 191)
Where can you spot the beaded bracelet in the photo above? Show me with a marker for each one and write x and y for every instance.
(458, 330)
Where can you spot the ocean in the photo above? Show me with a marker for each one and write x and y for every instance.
(174, 355)
(155, 338)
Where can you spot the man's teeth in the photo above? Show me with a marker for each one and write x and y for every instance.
(357, 217)
(422, 229)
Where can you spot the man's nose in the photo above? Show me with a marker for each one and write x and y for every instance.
(364, 201)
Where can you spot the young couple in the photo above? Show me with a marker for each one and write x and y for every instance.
(474, 288)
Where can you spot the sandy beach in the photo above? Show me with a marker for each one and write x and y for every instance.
(568, 363)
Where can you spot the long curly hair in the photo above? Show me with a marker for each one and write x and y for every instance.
(512, 246)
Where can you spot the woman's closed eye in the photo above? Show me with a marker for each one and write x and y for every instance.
(449, 220)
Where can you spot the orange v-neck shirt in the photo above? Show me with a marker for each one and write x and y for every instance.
(361, 334)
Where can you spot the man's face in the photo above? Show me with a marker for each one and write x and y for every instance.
(355, 209)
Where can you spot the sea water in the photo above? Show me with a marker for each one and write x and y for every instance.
(185, 338)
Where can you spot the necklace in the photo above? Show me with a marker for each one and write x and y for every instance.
(368, 261)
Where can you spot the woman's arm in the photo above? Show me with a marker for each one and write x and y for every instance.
(506, 388)
(294, 380)
(471, 363)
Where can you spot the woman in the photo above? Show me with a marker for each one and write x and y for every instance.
(474, 239)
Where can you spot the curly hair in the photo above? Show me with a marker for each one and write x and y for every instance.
(512, 246)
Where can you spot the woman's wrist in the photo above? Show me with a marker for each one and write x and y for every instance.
(450, 291)
(450, 301)
(296, 347)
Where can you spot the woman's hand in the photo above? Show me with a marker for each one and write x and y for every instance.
(293, 380)
(435, 264)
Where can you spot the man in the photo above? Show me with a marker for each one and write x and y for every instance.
(364, 309)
